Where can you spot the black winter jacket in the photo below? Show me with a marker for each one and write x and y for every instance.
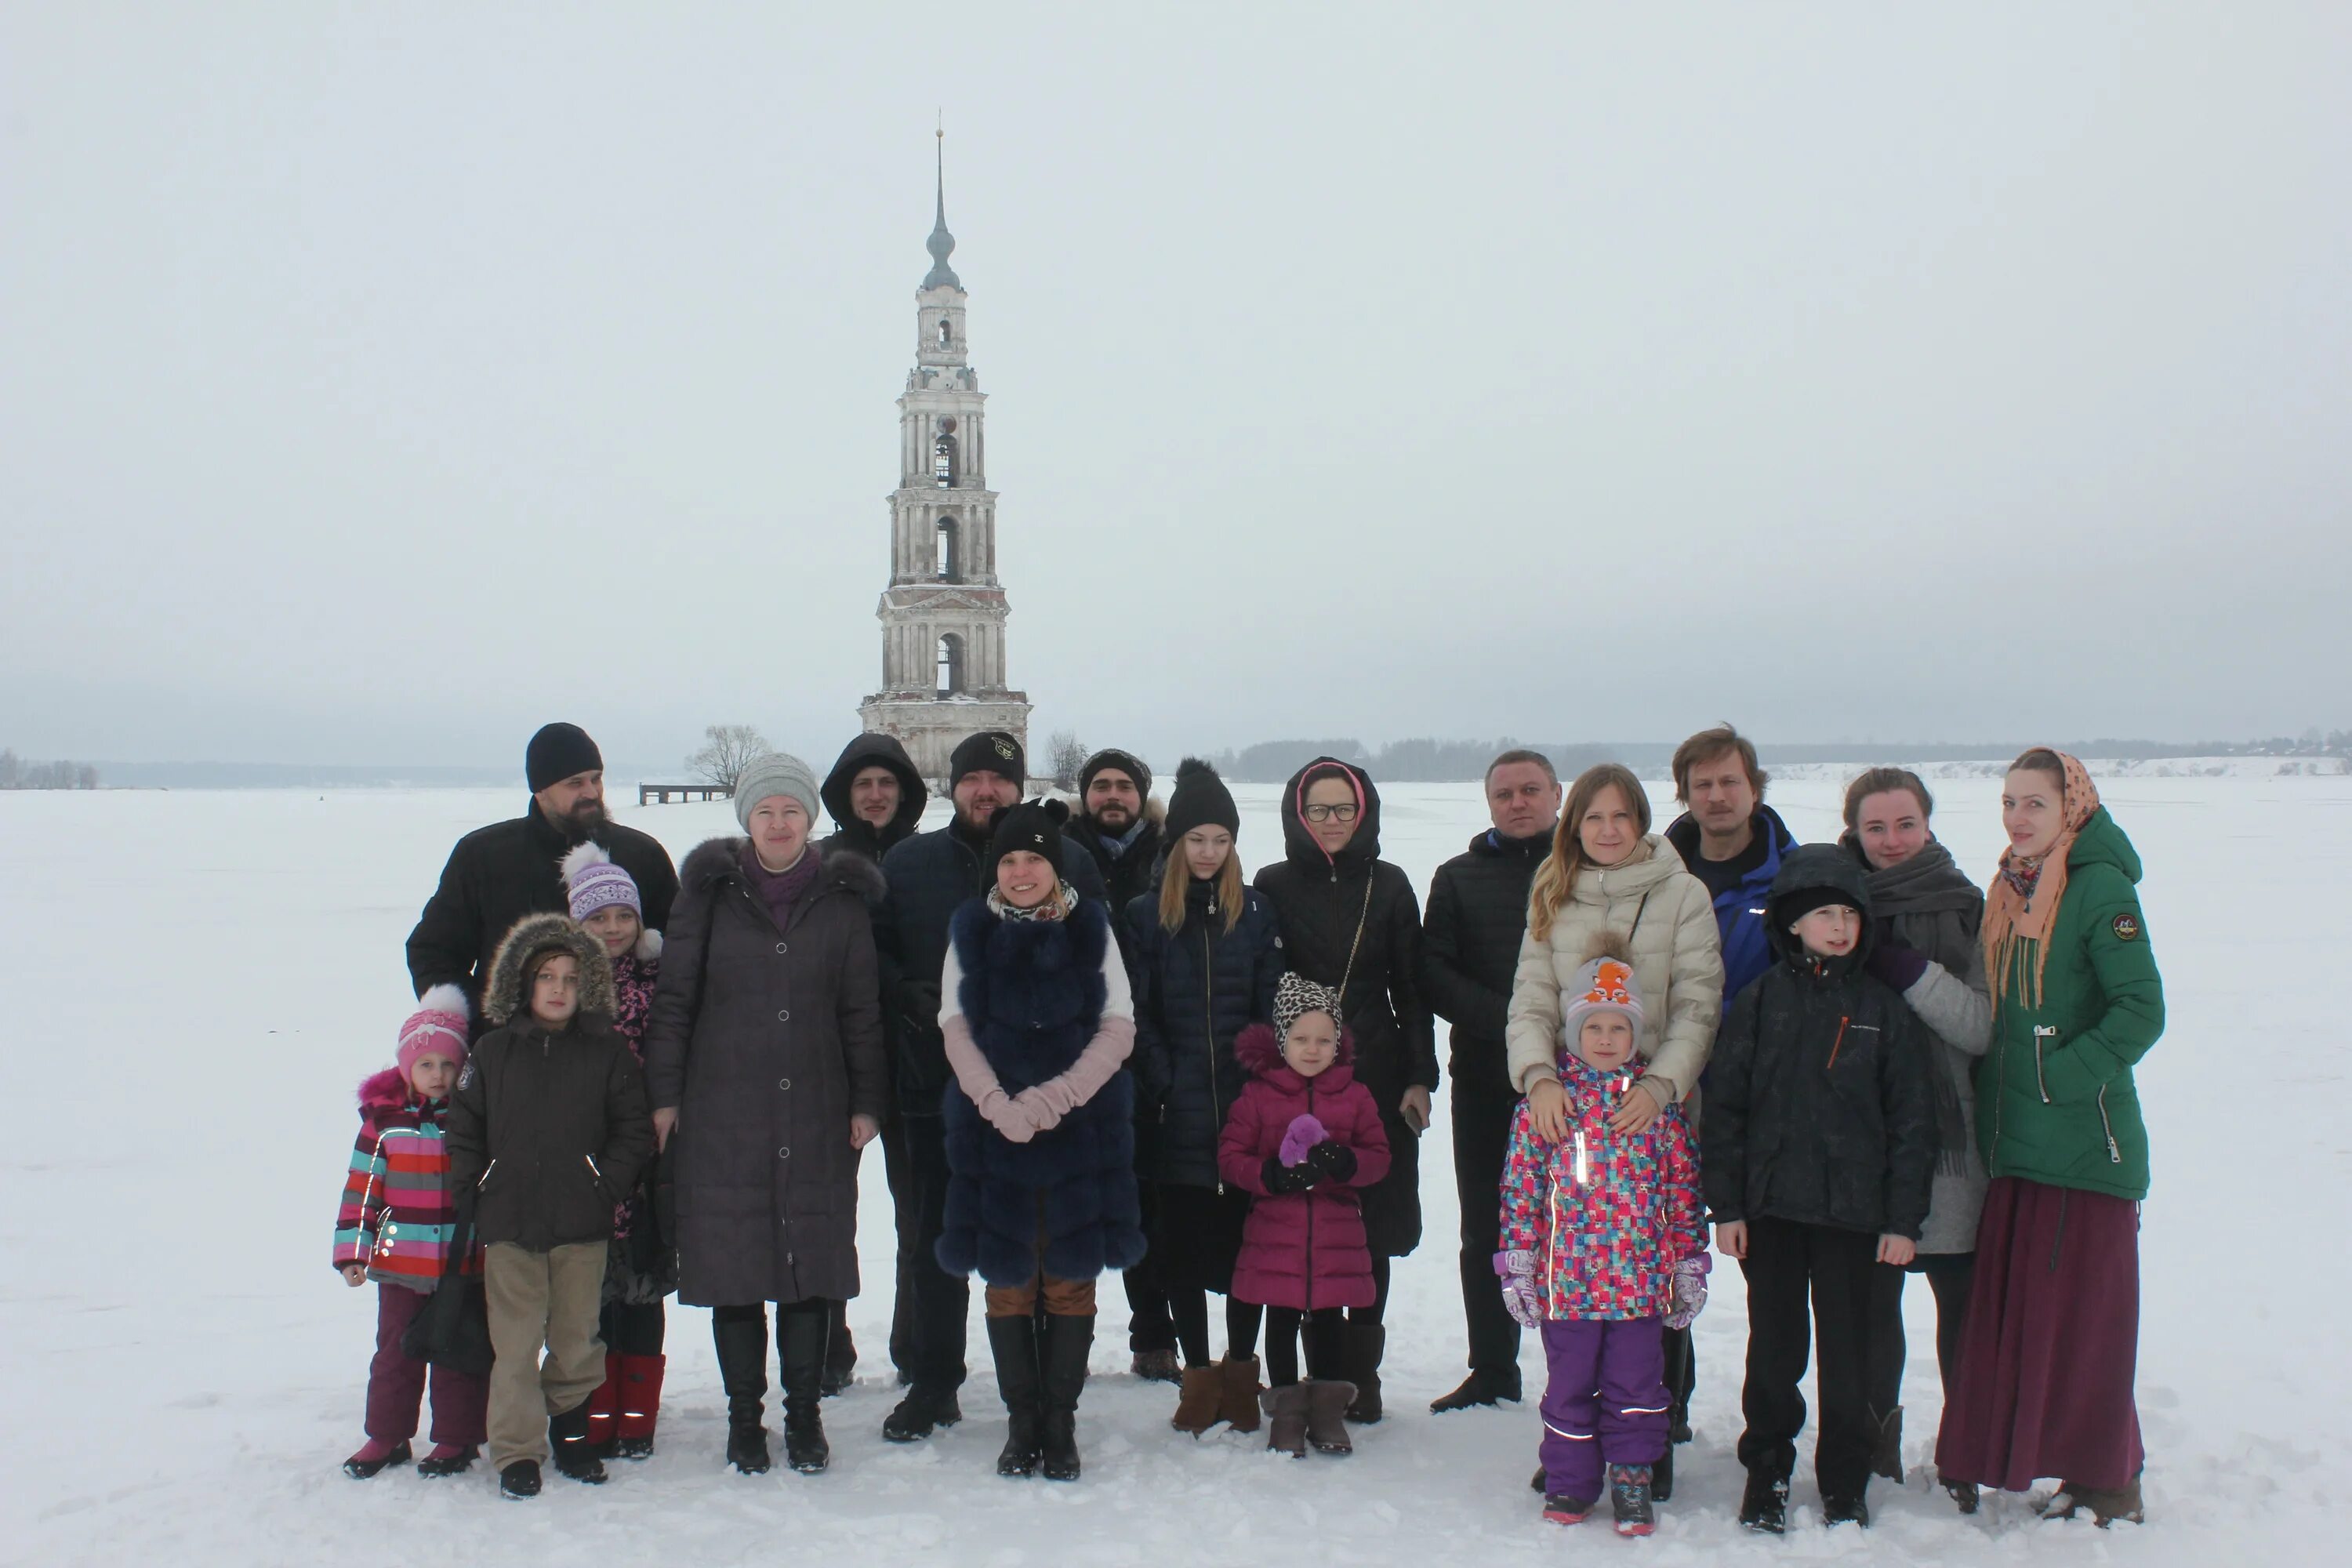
(1195, 990)
(1129, 876)
(551, 1129)
(1818, 1100)
(1470, 940)
(498, 874)
(1321, 902)
(930, 876)
(852, 835)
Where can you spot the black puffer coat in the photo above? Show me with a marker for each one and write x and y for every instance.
(1135, 872)
(1322, 902)
(929, 876)
(549, 1126)
(852, 835)
(1195, 990)
(498, 874)
(1470, 953)
(1817, 1107)
(767, 1042)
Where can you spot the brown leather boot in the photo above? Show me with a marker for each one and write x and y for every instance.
(1286, 1419)
(1327, 1416)
(1202, 1393)
(1238, 1390)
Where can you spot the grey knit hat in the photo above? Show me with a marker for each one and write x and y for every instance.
(773, 774)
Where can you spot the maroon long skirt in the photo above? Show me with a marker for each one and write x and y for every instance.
(2045, 1390)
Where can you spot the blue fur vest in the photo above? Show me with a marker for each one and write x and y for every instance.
(1067, 1200)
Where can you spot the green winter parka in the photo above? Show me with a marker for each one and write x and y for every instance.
(2055, 1100)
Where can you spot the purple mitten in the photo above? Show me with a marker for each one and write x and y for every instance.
(1518, 1271)
(1689, 1292)
(1304, 1133)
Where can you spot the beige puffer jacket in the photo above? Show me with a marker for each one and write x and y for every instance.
(1669, 921)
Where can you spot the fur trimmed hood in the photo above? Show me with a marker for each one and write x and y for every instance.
(717, 861)
(1258, 1049)
(502, 990)
(385, 1090)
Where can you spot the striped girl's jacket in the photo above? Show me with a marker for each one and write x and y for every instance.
(397, 1208)
(1607, 1214)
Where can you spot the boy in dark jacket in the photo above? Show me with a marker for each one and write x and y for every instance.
(1819, 1153)
(549, 1126)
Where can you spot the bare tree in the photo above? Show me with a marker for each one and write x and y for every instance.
(727, 748)
(1069, 755)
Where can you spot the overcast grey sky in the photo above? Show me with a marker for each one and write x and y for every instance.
(378, 382)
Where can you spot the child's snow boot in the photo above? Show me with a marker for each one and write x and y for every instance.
(1366, 1343)
(448, 1459)
(520, 1479)
(374, 1456)
(1764, 1506)
(1559, 1509)
(1286, 1419)
(575, 1456)
(1327, 1416)
(1012, 1342)
(1630, 1500)
(1062, 1352)
(801, 1338)
(605, 1406)
(641, 1385)
(1199, 1399)
(1238, 1403)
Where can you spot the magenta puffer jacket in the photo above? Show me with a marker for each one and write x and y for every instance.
(1302, 1250)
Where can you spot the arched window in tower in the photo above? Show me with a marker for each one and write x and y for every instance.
(950, 552)
(943, 454)
(945, 339)
(950, 664)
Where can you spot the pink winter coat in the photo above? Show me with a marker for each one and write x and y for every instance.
(1301, 1250)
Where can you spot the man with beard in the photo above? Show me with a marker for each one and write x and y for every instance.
(1120, 827)
(930, 876)
(500, 873)
(1469, 954)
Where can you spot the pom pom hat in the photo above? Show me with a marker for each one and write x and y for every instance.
(595, 883)
(1605, 985)
(438, 1028)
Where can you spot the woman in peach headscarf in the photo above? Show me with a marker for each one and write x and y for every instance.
(2052, 1347)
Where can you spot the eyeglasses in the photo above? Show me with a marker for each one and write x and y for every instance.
(1331, 812)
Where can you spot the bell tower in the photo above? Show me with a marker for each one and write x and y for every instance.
(943, 656)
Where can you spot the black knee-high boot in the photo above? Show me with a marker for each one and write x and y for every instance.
(1013, 1343)
(740, 1335)
(802, 1331)
(1067, 1342)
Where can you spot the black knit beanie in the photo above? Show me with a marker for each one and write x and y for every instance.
(1034, 826)
(991, 751)
(1791, 907)
(558, 752)
(1127, 763)
(1201, 800)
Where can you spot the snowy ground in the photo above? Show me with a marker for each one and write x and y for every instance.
(194, 982)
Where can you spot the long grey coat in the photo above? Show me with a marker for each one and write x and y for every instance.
(767, 1042)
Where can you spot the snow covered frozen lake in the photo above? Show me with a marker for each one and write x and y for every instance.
(194, 983)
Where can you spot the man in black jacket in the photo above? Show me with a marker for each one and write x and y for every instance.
(500, 873)
(1120, 827)
(1470, 948)
(930, 876)
(877, 797)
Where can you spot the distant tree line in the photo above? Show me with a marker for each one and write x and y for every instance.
(1425, 760)
(16, 772)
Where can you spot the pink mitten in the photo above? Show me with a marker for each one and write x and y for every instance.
(1304, 1133)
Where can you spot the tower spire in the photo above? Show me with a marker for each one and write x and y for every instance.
(942, 244)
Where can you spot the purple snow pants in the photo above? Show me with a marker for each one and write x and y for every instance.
(1605, 1403)
(461, 1401)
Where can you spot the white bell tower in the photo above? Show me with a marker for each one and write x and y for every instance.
(943, 664)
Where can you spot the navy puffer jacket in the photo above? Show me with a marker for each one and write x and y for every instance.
(1195, 991)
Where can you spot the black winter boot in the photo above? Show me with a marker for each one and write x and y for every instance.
(1764, 1506)
(1887, 1445)
(520, 1479)
(1012, 1342)
(1365, 1344)
(801, 1336)
(840, 1350)
(575, 1452)
(1662, 1476)
(743, 1346)
(1479, 1388)
(922, 1412)
(1062, 1354)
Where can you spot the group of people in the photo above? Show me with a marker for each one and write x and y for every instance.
(1086, 1043)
